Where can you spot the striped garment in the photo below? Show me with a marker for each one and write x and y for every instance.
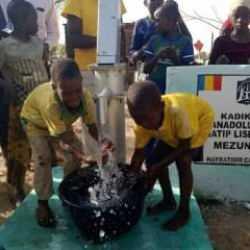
(22, 64)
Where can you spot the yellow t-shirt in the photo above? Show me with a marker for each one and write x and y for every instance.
(185, 116)
(87, 10)
(46, 115)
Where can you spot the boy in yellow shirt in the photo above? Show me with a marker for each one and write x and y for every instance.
(181, 123)
(48, 114)
(81, 26)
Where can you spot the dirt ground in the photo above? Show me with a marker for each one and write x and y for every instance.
(228, 223)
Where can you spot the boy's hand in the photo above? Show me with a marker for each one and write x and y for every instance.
(135, 57)
(167, 53)
(77, 153)
(106, 147)
(137, 159)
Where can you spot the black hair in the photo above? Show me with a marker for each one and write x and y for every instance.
(143, 96)
(240, 7)
(17, 10)
(170, 7)
(65, 68)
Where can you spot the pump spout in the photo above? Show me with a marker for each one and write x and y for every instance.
(102, 101)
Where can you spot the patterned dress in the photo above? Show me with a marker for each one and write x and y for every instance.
(22, 65)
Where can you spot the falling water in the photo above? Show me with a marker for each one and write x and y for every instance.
(109, 173)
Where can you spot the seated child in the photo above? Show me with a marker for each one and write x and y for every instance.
(181, 123)
(48, 114)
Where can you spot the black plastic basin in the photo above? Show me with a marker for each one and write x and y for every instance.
(107, 219)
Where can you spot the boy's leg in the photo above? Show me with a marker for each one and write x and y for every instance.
(186, 185)
(43, 183)
(18, 152)
(168, 202)
(5, 99)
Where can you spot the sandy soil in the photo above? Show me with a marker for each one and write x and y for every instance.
(228, 225)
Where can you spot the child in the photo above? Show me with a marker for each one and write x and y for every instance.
(234, 48)
(22, 65)
(48, 114)
(169, 47)
(143, 30)
(181, 122)
(227, 26)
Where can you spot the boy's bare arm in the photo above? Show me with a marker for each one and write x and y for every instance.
(69, 138)
(77, 39)
(137, 159)
(183, 147)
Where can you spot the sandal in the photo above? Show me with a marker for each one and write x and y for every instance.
(45, 216)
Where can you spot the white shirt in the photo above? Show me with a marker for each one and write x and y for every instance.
(48, 29)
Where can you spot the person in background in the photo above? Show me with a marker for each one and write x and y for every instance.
(82, 31)
(48, 32)
(48, 29)
(169, 47)
(143, 30)
(227, 26)
(146, 27)
(181, 122)
(22, 66)
(47, 115)
(235, 47)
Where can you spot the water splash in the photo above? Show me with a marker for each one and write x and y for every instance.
(110, 178)
(109, 173)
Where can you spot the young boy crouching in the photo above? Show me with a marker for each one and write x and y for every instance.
(181, 124)
(48, 114)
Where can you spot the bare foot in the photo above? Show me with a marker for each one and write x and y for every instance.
(45, 216)
(179, 220)
(162, 206)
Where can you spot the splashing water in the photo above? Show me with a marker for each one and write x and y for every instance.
(110, 178)
(109, 173)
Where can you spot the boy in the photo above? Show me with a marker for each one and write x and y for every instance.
(23, 67)
(82, 33)
(170, 46)
(143, 30)
(181, 122)
(48, 114)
